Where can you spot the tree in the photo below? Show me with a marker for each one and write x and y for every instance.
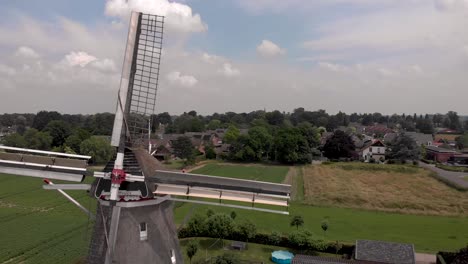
(300, 239)
(226, 258)
(59, 130)
(247, 229)
(275, 118)
(219, 225)
(340, 145)
(233, 215)
(297, 221)
(196, 225)
(14, 140)
(324, 226)
(275, 238)
(183, 148)
(232, 133)
(37, 140)
(462, 141)
(75, 139)
(43, 118)
(403, 148)
(425, 126)
(260, 141)
(453, 120)
(210, 152)
(214, 124)
(192, 248)
(291, 146)
(209, 212)
(310, 133)
(98, 148)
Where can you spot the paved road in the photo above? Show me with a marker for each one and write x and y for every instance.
(455, 177)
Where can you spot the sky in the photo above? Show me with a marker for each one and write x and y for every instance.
(386, 56)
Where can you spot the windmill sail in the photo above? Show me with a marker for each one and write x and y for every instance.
(43, 164)
(139, 81)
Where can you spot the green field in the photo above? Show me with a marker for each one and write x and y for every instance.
(250, 172)
(39, 226)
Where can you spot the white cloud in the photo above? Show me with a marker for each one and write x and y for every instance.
(229, 71)
(176, 77)
(177, 16)
(26, 52)
(269, 49)
(5, 69)
(331, 66)
(80, 58)
(416, 69)
(415, 28)
(209, 58)
(104, 65)
(386, 72)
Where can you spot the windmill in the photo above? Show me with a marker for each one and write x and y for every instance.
(134, 217)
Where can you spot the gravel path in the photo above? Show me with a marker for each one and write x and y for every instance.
(452, 176)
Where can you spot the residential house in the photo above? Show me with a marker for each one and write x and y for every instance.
(420, 138)
(374, 149)
(377, 130)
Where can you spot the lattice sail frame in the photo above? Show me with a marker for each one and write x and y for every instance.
(139, 83)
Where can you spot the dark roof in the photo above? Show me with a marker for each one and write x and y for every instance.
(384, 252)
(306, 259)
(420, 138)
(439, 149)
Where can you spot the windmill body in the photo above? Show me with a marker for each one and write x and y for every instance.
(134, 220)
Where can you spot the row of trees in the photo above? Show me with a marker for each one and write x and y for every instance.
(101, 123)
(60, 136)
(191, 121)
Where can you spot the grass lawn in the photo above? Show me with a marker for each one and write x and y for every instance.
(211, 247)
(249, 172)
(428, 233)
(465, 178)
(391, 188)
(39, 226)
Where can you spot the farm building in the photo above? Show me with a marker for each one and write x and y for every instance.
(440, 154)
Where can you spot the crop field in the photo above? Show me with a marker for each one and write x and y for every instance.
(39, 226)
(391, 188)
(275, 174)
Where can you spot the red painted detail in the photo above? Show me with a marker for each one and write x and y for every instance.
(118, 176)
(46, 181)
